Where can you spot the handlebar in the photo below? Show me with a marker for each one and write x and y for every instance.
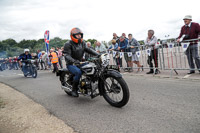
(93, 58)
(28, 61)
(84, 62)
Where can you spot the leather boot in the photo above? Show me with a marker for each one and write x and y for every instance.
(156, 71)
(150, 72)
(75, 89)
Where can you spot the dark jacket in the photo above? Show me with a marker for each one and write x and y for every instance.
(87, 55)
(73, 51)
(24, 57)
(123, 45)
(134, 43)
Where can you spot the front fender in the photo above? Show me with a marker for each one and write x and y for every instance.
(113, 73)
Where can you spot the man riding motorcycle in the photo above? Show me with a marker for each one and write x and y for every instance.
(74, 51)
(23, 57)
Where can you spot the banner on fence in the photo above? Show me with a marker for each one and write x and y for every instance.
(138, 53)
(185, 46)
(148, 51)
(121, 54)
(129, 54)
(170, 46)
(114, 53)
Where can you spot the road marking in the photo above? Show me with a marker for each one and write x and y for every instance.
(20, 74)
(186, 76)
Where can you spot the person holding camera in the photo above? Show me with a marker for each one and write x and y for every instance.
(190, 31)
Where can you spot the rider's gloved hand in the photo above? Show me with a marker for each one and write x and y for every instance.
(77, 63)
(99, 55)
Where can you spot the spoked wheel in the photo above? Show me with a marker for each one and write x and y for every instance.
(116, 91)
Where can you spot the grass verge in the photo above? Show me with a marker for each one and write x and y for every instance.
(2, 104)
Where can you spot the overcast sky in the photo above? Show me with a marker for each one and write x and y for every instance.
(98, 19)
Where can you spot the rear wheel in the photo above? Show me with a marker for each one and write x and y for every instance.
(68, 93)
(116, 91)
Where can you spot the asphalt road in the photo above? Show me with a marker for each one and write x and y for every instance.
(155, 105)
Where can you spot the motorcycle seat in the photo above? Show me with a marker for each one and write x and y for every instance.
(64, 70)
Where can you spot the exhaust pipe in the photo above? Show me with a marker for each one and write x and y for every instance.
(66, 88)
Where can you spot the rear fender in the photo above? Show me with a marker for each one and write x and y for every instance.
(62, 72)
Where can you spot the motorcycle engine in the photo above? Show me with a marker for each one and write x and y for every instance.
(85, 86)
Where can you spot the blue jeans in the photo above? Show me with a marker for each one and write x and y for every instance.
(75, 71)
(24, 68)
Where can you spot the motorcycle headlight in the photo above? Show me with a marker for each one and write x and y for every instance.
(32, 61)
(105, 59)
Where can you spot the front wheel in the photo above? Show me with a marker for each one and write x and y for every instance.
(116, 91)
(25, 75)
(34, 74)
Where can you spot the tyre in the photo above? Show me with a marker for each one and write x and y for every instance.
(68, 93)
(25, 75)
(116, 91)
(34, 75)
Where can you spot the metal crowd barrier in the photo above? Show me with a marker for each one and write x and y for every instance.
(171, 56)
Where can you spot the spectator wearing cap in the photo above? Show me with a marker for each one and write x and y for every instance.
(134, 46)
(189, 31)
(122, 44)
(122, 47)
(100, 48)
(112, 48)
(151, 42)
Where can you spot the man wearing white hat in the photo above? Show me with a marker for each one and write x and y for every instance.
(190, 31)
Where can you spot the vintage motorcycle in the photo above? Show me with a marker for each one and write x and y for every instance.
(31, 69)
(98, 78)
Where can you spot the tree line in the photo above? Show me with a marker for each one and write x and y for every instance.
(10, 47)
